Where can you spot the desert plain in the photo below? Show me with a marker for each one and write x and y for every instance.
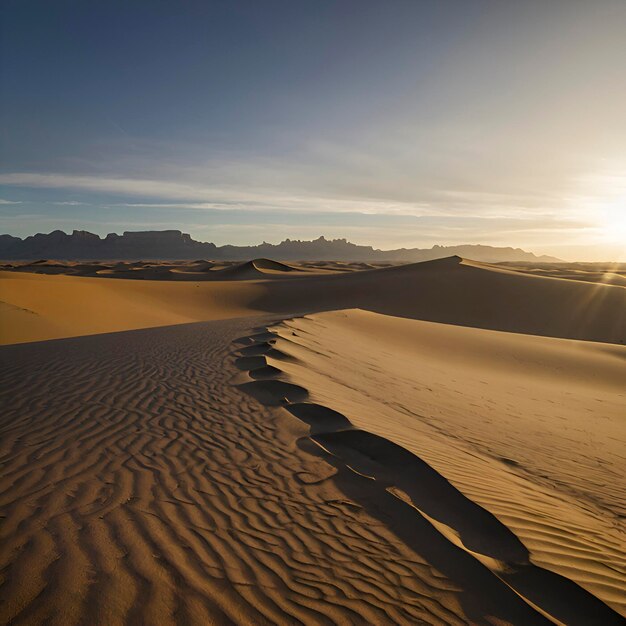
(314, 443)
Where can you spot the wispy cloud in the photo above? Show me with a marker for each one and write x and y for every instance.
(127, 186)
(196, 195)
(429, 212)
(291, 194)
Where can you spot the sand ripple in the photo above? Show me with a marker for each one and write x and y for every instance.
(140, 487)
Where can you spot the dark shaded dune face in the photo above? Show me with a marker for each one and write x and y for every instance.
(256, 349)
(454, 292)
(256, 269)
(243, 271)
(48, 269)
(260, 337)
(45, 266)
(319, 418)
(275, 266)
(479, 530)
(275, 392)
(248, 363)
(90, 268)
(265, 372)
(198, 266)
(253, 270)
(266, 349)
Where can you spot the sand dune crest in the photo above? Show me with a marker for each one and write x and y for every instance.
(398, 472)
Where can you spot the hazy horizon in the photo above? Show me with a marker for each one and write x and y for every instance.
(396, 124)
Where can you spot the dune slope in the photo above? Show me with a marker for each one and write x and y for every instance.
(141, 486)
(37, 308)
(407, 462)
(527, 430)
(450, 290)
(465, 293)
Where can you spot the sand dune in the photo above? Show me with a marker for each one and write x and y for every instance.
(449, 453)
(449, 290)
(255, 269)
(605, 273)
(203, 269)
(200, 269)
(140, 485)
(49, 307)
(537, 419)
(461, 292)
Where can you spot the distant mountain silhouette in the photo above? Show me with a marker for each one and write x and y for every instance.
(175, 245)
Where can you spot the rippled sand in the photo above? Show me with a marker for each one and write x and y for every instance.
(450, 453)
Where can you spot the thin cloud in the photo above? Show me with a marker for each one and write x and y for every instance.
(197, 195)
(207, 196)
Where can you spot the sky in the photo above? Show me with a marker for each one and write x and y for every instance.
(393, 123)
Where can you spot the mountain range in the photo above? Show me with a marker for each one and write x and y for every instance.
(176, 245)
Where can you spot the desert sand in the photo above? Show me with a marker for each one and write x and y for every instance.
(259, 443)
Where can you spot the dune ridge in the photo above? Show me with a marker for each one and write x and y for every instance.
(254, 269)
(140, 486)
(460, 292)
(394, 470)
(450, 451)
(453, 291)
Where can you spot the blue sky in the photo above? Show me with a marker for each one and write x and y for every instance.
(392, 123)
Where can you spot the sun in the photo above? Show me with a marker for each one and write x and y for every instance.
(614, 222)
(610, 208)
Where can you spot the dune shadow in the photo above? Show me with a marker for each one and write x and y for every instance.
(430, 492)
(480, 592)
(319, 418)
(423, 509)
(274, 392)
